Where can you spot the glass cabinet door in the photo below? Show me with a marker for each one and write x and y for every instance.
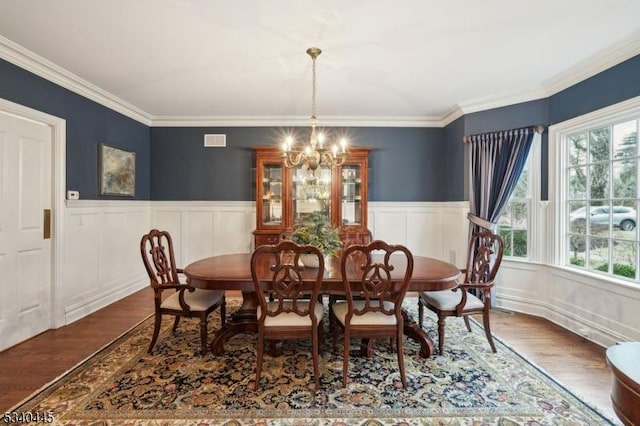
(272, 194)
(351, 195)
(311, 192)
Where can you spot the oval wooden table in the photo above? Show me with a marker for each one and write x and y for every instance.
(233, 272)
(624, 359)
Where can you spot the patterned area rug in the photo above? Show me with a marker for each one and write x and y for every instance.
(469, 385)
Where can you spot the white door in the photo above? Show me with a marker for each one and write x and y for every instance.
(25, 250)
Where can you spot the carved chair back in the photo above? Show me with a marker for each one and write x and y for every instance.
(156, 249)
(374, 265)
(484, 257)
(281, 279)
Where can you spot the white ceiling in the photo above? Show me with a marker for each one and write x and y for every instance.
(401, 60)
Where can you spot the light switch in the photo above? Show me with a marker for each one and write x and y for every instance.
(73, 195)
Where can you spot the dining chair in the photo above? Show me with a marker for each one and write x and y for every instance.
(349, 239)
(156, 249)
(288, 296)
(376, 277)
(483, 261)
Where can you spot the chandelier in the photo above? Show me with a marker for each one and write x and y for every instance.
(315, 153)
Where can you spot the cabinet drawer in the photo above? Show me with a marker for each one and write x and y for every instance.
(262, 240)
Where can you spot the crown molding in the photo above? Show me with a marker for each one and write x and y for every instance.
(607, 58)
(294, 121)
(603, 60)
(452, 115)
(46, 69)
(491, 102)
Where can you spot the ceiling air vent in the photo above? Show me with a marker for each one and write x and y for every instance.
(215, 141)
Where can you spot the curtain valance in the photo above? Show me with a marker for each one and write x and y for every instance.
(497, 160)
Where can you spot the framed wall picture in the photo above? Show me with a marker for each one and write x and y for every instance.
(117, 171)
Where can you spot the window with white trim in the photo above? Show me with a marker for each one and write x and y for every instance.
(598, 194)
(517, 221)
(513, 224)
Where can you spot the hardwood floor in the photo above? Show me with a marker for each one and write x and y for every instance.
(575, 362)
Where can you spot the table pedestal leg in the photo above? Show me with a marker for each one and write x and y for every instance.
(413, 330)
(244, 320)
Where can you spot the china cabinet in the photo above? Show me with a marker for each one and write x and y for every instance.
(285, 195)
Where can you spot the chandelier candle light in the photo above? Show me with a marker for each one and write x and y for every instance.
(314, 154)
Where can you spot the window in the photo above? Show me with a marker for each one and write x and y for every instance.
(518, 220)
(513, 223)
(598, 195)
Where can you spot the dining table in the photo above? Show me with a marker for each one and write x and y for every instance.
(233, 272)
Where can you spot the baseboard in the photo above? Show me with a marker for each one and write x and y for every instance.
(580, 326)
(75, 312)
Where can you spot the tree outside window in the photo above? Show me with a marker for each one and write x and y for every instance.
(602, 199)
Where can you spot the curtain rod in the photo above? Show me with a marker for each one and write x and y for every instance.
(539, 129)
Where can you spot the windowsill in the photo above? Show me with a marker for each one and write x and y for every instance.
(522, 260)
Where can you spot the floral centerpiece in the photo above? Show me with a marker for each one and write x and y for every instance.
(315, 230)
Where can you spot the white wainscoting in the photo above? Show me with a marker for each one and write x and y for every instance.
(101, 254)
(206, 228)
(602, 311)
(102, 260)
(102, 238)
(209, 228)
(434, 229)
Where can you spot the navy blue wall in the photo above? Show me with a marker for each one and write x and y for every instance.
(508, 117)
(614, 85)
(88, 125)
(454, 182)
(404, 165)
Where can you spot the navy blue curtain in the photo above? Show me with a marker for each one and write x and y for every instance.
(497, 160)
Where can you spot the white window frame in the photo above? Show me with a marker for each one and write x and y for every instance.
(626, 110)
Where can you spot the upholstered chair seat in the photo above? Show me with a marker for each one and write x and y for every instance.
(340, 310)
(198, 300)
(447, 300)
(291, 318)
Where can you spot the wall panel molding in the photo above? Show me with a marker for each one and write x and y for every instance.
(206, 228)
(601, 311)
(434, 229)
(102, 259)
(101, 253)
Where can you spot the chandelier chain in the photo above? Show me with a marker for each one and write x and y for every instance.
(313, 88)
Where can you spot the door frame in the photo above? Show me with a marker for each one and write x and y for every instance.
(58, 128)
